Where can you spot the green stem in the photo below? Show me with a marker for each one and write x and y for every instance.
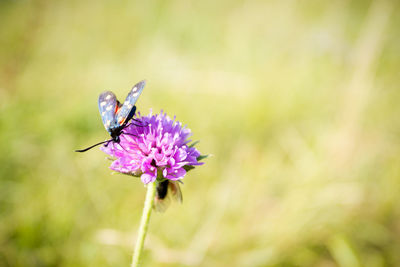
(144, 223)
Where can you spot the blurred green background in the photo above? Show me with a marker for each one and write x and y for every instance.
(298, 102)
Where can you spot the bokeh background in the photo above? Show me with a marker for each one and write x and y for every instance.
(298, 103)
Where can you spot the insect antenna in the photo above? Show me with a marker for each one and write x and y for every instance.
(86, 149)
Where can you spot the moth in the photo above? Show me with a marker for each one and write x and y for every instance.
(115, 116)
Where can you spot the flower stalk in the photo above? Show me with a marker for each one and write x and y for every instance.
(157, 149)
(144, 223)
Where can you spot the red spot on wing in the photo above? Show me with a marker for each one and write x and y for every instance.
(122, 119)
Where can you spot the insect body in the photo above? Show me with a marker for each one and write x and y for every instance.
(165, 192)
(115, 116)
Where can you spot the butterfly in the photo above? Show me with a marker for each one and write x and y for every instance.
(115, 116)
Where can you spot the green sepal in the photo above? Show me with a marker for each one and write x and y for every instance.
(194, 143)
(201, 157)
(188, 167)
(160, 176)
(137, 175)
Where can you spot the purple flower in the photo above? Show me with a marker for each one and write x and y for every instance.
(154, 146)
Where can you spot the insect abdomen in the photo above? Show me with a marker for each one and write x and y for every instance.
(162, 189)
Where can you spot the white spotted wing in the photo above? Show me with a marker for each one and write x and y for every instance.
(126, 110)
(107, 107)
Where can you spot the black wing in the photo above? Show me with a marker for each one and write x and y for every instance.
(107, 108)
(125, 112)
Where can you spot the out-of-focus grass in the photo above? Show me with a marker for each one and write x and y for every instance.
(297, 102)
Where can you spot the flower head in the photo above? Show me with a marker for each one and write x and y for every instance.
(154, 146)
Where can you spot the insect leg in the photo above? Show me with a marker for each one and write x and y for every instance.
(119, 145)
(138, 125)
(122, 147)
(130, 134)
(139, 121)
